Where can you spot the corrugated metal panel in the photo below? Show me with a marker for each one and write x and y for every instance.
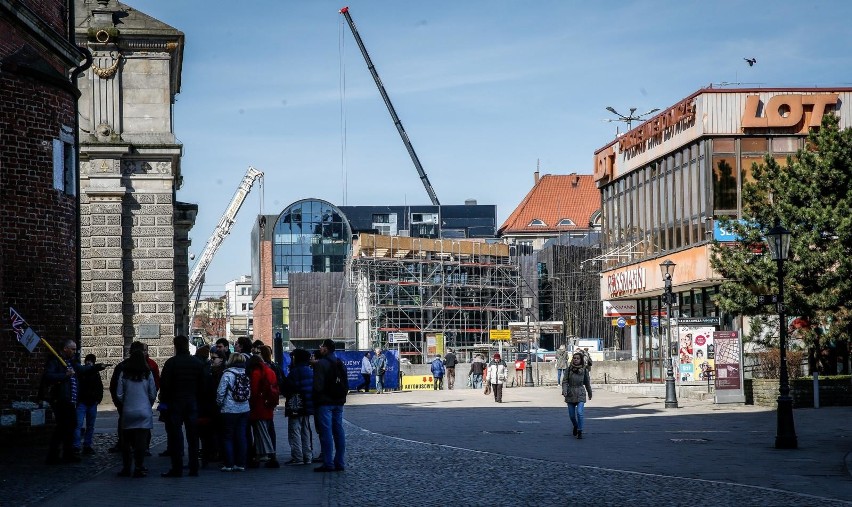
(321, 306)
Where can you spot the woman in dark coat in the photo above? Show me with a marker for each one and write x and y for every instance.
(575, 385)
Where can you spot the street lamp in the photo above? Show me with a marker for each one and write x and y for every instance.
(528, 380)
(667, 268)
(778, 240)
(629, 118)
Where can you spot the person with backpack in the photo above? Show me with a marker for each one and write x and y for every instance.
(299, 408)
(437, 368)
(262, 402)
(232, 396)
(331, 385)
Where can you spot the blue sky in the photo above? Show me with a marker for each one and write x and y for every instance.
(484, 89)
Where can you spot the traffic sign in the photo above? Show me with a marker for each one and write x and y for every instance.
(621, 322)
(655, 321)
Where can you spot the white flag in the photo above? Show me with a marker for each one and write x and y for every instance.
(23, 331)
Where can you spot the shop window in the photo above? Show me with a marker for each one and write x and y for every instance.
(724, 183)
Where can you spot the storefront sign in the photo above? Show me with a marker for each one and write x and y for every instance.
(658, 127)
(623, 282)
(787, 111)
(619, 308)
(696, 321)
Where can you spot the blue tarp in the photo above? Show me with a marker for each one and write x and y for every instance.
(352, 360)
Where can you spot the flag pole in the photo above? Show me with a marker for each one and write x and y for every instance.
(46, 344)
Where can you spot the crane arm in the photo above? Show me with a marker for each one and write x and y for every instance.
(222, 229)
(391, 110)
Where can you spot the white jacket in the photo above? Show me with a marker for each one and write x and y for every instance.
(496, 372)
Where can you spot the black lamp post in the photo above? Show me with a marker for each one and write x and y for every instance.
(778, 240)
(667, 268)
(528, 379)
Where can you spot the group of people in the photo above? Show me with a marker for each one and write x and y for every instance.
(373, 365)
(444, 367)
(220, 403)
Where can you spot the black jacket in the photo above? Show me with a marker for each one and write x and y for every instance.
(182, 379)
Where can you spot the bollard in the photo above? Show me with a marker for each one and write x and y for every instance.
(816, 389)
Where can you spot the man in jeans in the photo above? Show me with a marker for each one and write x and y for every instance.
(450, 363)
(380, 365)
(329, 411)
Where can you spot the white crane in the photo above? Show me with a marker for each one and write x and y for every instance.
(196, 279)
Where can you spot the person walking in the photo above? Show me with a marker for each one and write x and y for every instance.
(366, 372)
(300, 407)
(562, 358)
(380, 367)
(575, 386)
(496, 377)
(181, 386)
(137, 392)
(520, 365)
(477, 368)
(90, 396)
(437, 368)
(232, 397)
(329, 390)
(450, 362)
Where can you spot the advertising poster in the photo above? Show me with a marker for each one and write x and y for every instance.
(352, 360)
(696, 352)
(729, 372)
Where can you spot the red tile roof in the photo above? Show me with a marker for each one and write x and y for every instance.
(553, 198)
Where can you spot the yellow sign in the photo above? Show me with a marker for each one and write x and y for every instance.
(417, 382)
(500, 334)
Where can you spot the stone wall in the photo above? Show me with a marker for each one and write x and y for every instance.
(832, 392)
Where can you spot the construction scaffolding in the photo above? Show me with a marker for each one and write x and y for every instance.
(569, 290)
(421, 295)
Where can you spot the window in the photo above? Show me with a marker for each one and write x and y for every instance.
(565, 222)
(251, 306)
(537, 222)
(64, 164)
(244, 306)
(310, 236)
(243, 291)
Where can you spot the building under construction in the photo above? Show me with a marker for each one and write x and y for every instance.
(421, 295)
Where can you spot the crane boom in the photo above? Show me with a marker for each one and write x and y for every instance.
(220, 232)
(391, 110)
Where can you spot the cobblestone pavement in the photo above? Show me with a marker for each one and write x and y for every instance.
(460, 448)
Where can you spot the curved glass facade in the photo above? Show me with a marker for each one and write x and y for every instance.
(310, 236)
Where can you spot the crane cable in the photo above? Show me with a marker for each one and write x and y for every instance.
(341, 47)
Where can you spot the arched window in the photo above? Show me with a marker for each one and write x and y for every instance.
(565, 222)
(537, 222)
(310, 236)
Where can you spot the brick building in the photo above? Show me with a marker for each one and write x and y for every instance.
(38, 188)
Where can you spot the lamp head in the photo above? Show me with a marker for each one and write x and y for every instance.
(778, 241)
(667, 269)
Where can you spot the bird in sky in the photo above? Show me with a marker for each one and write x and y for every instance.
(751, 61)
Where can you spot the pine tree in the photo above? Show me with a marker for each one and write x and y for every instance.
(812, 198)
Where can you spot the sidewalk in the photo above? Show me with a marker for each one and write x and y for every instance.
(422, 448)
